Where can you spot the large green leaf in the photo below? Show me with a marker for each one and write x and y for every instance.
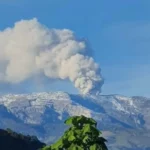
(86, 139)
(80, 121)
(75, 147)
(71, 138)
(47, 148)
(85, 120)
(88, 129)
(95, 147)
(72, 121)
(61, 143)
(69, 121)
(58, 144)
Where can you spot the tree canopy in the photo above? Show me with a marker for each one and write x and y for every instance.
(82, 135)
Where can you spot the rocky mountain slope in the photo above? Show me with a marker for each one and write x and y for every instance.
(125, 121)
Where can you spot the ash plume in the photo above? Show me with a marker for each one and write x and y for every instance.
(29, 49)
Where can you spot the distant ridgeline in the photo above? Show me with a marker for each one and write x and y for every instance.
(10, 140)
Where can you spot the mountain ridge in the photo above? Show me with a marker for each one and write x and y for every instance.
(44, 113)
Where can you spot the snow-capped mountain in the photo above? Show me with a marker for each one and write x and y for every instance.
(125, 121)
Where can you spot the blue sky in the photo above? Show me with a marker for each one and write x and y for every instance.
(118, 32)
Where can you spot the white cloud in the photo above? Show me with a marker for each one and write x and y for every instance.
(29, 49)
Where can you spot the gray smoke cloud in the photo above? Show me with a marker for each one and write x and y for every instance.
(29, 49)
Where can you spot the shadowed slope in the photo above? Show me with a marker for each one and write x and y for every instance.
(10, 140)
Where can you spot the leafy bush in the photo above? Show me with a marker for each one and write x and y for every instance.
(82, 135)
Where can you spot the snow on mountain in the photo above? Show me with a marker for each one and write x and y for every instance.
(43, 114)
(30, 108)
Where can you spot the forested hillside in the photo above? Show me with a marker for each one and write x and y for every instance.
(10, 140)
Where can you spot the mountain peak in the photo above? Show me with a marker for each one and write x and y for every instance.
(43, 113)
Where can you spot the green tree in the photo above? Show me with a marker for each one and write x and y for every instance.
(82, 135)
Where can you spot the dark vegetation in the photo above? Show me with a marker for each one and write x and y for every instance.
(10, 140)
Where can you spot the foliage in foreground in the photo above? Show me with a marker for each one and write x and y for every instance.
(82, 135)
